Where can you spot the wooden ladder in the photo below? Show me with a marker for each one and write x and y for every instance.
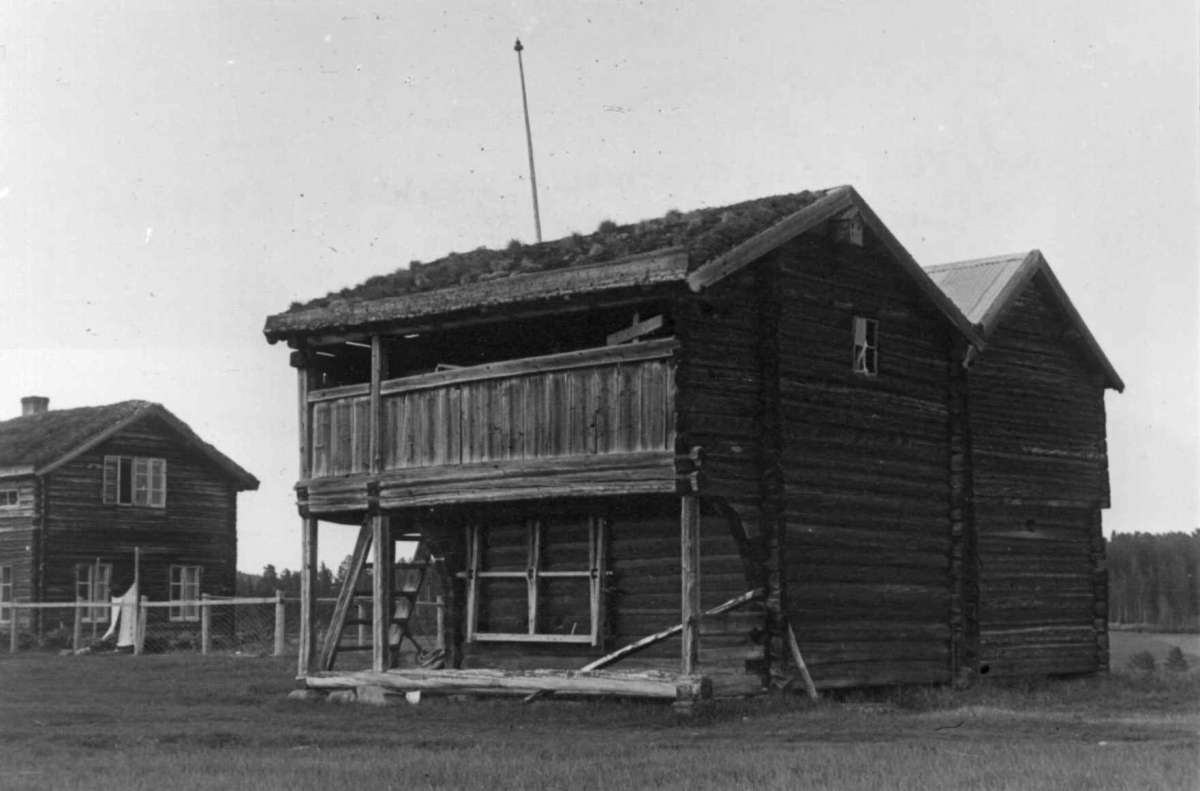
(407, 581)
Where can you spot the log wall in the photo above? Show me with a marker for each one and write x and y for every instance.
(197, 527)
(866, 468)
(19, 536)
(728, 408)
(1040, 469)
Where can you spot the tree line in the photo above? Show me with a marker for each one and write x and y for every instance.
(1153, 580)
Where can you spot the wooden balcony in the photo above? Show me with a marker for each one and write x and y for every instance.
(597, 421)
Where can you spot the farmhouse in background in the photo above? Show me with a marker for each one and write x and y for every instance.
(747, 422)
(82, 491)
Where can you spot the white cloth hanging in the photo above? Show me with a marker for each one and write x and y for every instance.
(123, 621)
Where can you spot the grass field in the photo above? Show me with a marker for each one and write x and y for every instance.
(219, 722)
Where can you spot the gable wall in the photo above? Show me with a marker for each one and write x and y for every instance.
(1040, 469)
(197, 527)
(866, 468)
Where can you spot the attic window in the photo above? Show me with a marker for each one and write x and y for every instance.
(134, 480)
(866, 346)
(848, 229)
(8, 498)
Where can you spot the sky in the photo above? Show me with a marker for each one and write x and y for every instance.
(173, 173)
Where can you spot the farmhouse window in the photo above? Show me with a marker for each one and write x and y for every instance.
(135, 480)
(6, 593)
(92, 582)
(866, 346)
(8, 498)
(184, 593)
(536, 581)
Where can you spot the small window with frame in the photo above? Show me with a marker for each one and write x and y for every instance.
(9, 498)
(184, 593)
(866, 346)
(6, 594)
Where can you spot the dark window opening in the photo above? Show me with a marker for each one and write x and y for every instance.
(425, 352)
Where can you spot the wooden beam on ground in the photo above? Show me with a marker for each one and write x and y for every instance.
(646, 684)
(333, 635)
(308, 597)
(798, 658)
(689, 574)
(381, 576)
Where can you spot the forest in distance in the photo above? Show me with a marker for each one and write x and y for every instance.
(1153, 581)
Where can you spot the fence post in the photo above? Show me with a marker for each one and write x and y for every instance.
(280, 616)
(205, 625)
(13, 628)
(360, 614)
(139, 634)
(77, 631)
(441, 623)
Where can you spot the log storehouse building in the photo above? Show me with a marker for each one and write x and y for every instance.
(95, 497)
(740, 440)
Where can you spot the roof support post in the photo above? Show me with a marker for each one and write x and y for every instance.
(308, 597)
(689, 543)
(381, 589)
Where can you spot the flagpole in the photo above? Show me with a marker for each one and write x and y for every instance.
(537, 219)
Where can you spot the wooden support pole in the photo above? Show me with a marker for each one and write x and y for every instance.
(308, 598)
(139, 633)
(798, 658)
(13, 629)
(77, 630)
(303, 379)
(689, 544)
(360, 615)
(381, 578)
(280, 623)
(205, 626)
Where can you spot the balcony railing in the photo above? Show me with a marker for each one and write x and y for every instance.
(611, 400)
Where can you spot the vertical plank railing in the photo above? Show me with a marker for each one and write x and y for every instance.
(585, 403)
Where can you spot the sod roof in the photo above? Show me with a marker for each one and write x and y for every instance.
(35, 444)
(692, 237)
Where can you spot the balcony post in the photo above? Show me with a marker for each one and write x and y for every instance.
(375, 428)
(304, 382)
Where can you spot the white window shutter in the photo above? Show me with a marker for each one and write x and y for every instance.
(158, 483)
(111, 472)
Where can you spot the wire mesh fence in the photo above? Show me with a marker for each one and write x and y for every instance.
(246, 625)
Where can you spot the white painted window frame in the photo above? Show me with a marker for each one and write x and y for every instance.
(6, 593)
(10, 498)
(147, 484)
(184, 586)
(92, 583)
